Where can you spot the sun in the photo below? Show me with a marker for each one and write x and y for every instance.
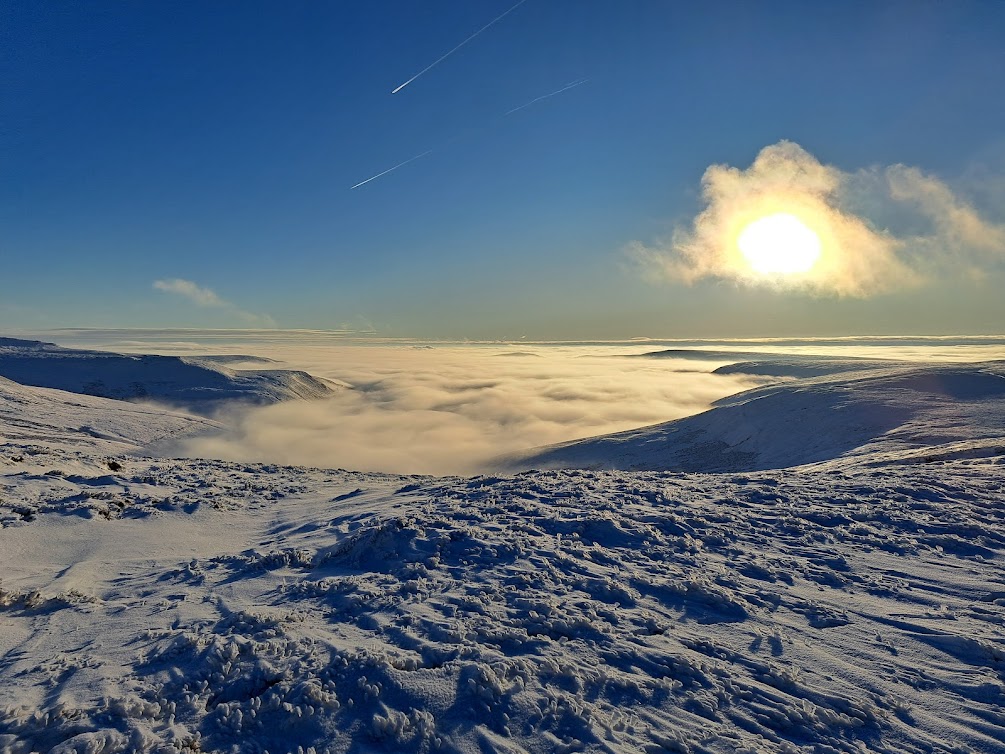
(779, 244)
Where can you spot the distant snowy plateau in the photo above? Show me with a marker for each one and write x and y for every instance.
(200, 384)
(817, 565)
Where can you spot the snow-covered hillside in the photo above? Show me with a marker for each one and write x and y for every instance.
(31, 416)
(164, 605)
(908, 412)
(200, 384)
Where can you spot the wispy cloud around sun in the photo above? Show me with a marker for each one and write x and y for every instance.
(791, 222)
(208, 298)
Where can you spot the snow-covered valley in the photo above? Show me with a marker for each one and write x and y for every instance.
(838, 587)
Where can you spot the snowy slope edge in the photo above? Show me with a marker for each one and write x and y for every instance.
(902, 413)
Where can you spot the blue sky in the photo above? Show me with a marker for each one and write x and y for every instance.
(216, 144)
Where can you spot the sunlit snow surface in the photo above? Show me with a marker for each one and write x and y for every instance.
(855, 604)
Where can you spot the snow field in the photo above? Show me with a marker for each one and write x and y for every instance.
(226, 607)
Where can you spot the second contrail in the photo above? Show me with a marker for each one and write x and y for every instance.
(451, 52)
(565, 88)
(400, 164)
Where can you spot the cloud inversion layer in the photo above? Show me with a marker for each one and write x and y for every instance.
(455, 410)
(880, 229)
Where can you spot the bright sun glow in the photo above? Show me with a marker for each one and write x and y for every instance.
(779, 244)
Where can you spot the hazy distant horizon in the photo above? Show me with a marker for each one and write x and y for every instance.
(174, 339)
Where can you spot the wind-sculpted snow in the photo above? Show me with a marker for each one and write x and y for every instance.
(909, 412)
(202, 384)
(215, 607)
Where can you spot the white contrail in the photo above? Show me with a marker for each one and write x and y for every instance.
(546, 96)
(441, 59)
(400, 164)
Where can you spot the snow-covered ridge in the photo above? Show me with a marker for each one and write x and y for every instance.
(907, 412)
(200, 384)
(804, 366)
(711, 354)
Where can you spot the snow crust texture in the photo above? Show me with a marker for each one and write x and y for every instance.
(216, 607)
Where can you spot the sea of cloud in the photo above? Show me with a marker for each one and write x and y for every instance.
(437, 408)
(455, 410)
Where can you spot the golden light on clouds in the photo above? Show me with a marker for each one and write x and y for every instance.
(779, 244)
(792, 223)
